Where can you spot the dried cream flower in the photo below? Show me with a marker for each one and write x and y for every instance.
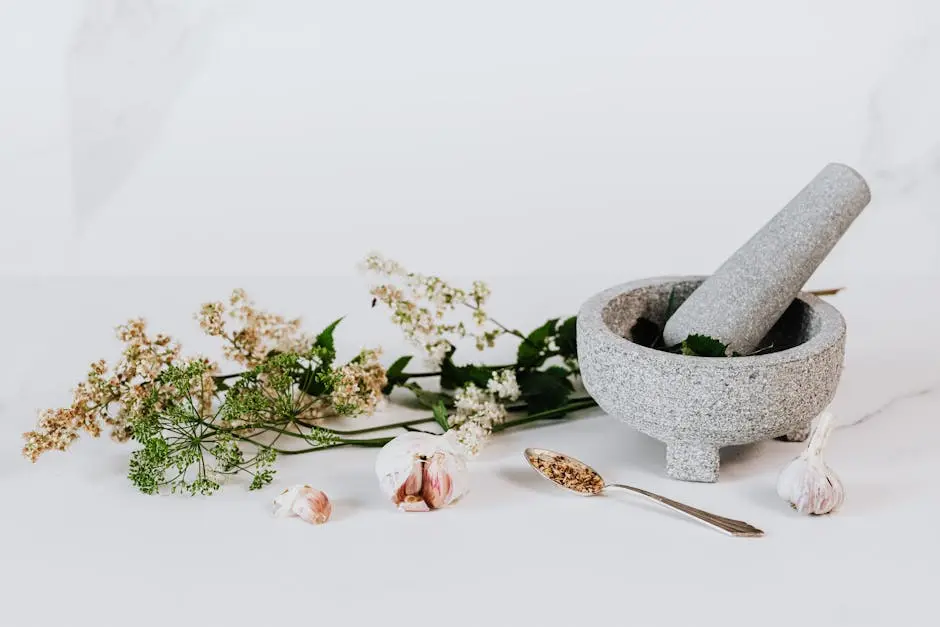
(258, 333)
(113, 397)
(425, 308)
(357, 386)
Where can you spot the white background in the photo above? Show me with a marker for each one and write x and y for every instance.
(155, 154)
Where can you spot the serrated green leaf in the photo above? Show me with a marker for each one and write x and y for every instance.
(703, 346)
(394, 374)
(544, 389)
(325, 338)
(567, 338)
(454, 376)
(531, 353)
(440, 416)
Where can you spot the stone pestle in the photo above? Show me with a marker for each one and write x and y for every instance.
(746, 296)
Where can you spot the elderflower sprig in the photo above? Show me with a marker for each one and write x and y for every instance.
(476, 398)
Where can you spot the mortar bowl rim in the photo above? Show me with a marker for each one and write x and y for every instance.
(591, 317)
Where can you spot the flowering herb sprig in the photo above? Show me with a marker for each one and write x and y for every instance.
(478, 397)
(196, 427)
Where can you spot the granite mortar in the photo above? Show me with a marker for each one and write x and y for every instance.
(697, 405)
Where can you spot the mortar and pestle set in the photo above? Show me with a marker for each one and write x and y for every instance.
(697, 405)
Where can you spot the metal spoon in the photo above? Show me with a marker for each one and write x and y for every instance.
(578, 477)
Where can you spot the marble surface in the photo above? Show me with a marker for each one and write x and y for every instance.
(75, 532)
(157, 153)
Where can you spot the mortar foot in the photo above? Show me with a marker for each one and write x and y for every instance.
(692, 462)
(798, 435)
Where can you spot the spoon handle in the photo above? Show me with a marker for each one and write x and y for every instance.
(727, 525)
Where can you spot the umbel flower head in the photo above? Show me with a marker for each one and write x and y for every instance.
(419, 472)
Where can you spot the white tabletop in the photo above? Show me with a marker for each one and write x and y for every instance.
(79, 541)
(156, 154)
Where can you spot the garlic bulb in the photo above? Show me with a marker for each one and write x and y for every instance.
(304, 502)
(807, 483)
(421, 471)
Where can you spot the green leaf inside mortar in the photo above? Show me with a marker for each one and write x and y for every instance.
(703, 346)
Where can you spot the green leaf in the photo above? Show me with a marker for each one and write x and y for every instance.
(440, 416)
(703, 346)
(567, 338)
(394, 374)
(645, 332)
(544, 389)
(315, 381)
(430, 399)
(454, 376)
(325, 338)
(531, 353)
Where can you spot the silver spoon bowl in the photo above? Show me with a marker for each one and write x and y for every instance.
(578, 477)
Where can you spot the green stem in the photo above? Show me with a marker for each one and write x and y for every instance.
(370, 443)
(414, 430)
(585, 403)
(406, 423)
(573, 405)
(374, 442)
(301, 451)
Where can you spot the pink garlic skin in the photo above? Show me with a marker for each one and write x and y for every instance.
(421, 472)
(313, 506)
(807, 482)
(305, 502)
(436, 486)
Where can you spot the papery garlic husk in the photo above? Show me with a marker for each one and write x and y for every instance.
(305, 502)
(422, 471)
(807, 483)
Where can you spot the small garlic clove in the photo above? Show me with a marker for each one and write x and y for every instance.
(305, 502)
(285, 500)
(437, 486)
(312, 506)
(411, 487)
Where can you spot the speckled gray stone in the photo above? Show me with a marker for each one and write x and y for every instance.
(697, 405)
(743, 299)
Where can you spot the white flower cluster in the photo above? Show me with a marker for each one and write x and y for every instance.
(479, 410)
(503, 384)
(424, 307)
